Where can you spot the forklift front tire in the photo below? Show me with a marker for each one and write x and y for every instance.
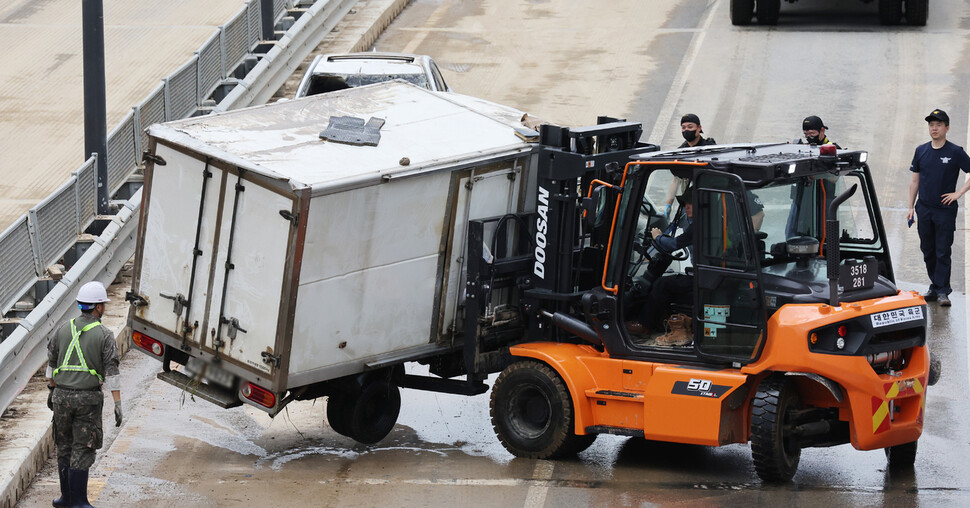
(774, 448)
(533, 414)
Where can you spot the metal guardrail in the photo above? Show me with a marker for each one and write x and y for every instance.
(41, 237)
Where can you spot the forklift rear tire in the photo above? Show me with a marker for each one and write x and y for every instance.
(773, 447)
(532, 413)
(374, 412)
(901, 456)
(741, 12)
(768, 11)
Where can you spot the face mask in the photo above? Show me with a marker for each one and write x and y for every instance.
(813, 140)
(689, 135)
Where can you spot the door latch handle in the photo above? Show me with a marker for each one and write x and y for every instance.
(180, 302)
(233, 327)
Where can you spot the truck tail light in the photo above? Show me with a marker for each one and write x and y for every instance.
(148, 344)
(259, 395)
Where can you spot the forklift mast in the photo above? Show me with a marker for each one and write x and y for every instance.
(546, 266)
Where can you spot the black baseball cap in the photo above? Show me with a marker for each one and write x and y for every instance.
(813, 123)
(938, 115)
(690, 117)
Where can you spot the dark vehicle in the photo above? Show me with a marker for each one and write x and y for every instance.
(891, 12)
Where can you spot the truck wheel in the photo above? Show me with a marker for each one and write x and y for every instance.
(374, 412)
(339, 407)
(767, 12)
(890, 12)
(901, 456)
(532, 413)
(773, 447)
(741, 12)
(916, 12)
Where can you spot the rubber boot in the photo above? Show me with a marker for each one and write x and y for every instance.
(65, 499)
(679, 333)
(79, 488)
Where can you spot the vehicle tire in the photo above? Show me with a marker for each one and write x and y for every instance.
(901, 456)
(936, 370)
(339, 406)
(741, 12)
(916, 12)
(532, 413)
(890, 12)
(773, 447)
(767, 11)
(374, 412)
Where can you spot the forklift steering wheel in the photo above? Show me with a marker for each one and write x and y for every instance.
(679, 255)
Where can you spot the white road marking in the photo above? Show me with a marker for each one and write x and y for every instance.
(423, 33)
(680, 79)
(536, 497)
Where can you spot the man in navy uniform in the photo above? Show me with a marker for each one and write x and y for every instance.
(936, 166)
(82, 356)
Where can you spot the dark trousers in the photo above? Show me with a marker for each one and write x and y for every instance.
(77, 427)
(670, 289)
(936, 227)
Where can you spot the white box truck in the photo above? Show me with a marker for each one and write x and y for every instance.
(280, 248)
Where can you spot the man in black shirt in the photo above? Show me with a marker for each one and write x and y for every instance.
(690, 128)
(814, 131)
(935, 168)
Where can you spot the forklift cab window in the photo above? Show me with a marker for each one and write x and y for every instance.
(645, 260)
(798, 208)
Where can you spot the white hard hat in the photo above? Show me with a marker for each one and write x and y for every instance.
(92, 292)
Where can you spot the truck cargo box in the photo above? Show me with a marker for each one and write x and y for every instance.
(287, 259)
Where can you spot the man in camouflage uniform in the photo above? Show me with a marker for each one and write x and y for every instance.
(82, 356)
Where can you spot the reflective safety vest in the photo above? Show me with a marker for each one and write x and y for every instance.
(75, 345)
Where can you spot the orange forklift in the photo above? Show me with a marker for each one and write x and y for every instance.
(797, 335)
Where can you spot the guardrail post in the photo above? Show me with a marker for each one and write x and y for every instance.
(34, 234)
(136, 122)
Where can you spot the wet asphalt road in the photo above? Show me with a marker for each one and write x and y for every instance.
(649, 62)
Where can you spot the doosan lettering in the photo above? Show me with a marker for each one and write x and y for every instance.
(542, 223)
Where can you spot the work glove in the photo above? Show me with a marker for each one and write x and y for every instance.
(50, 397)
(667, 212)
(117, 413)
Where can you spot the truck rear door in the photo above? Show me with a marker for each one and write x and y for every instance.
(246, 318)
(177, 238)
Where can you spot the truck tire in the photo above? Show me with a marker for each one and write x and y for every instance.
(339, 407)
(532, 413)
(374, 412)
(916, 12)
(741, 12)
(767, 11)
(901, 456)
(890, 12)
(773, 447)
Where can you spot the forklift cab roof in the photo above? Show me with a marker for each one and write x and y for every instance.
(759, 164)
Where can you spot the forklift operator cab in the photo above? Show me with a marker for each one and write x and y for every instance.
(742, 274)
